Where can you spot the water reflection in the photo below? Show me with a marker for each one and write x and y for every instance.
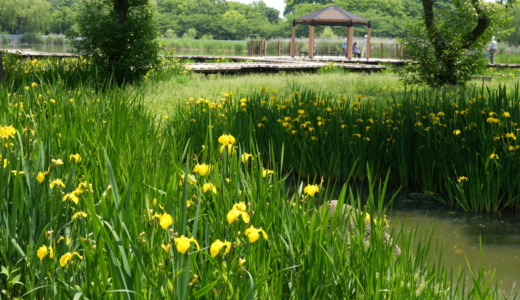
(492, 240)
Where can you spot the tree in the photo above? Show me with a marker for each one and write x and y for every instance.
(449, 43)
(24, 16)
(290, 5)
(514, 37)
(119, 36)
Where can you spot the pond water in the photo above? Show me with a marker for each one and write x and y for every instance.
(68, 49)
(40, 47)
(461, 235)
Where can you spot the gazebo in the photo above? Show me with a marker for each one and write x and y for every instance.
(331, 16)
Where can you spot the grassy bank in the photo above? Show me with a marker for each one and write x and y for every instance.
(189, 43)
(102, 198)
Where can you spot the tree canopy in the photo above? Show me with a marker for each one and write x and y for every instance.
(224, 19)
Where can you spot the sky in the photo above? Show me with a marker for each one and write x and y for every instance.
(278, 4)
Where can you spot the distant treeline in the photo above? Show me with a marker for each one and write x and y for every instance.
(223, 20)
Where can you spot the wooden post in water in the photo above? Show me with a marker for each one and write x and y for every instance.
(279, 48)
(381, 50)
(265, 47)
(396, 50)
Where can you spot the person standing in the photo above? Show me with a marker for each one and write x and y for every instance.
(344, 48)
(363, 52)
(355, 50)
(492, 50)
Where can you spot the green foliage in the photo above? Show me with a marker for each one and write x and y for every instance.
(514, 37)
(417, 132)
(126, 165)
(190, 34)
(220, 19)
(4, 39)
(23, 16)
(31, 38)
(121, 42)
(451, 49)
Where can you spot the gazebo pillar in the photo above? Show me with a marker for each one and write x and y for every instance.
(369, 35)
(350, 41)
(311, 42)
(293, 41)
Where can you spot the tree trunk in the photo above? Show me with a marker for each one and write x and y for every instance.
(121, 10)
(441, 46)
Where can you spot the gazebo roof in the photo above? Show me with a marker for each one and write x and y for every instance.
(332, 16)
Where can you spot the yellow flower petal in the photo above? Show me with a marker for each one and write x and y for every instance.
(165, 220)
(42, 252)
(202, 169)
(64, 259)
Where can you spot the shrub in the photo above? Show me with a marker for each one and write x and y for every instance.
(31, 38)
(122, 42)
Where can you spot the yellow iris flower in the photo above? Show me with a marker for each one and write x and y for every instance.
(166, 247)
(311, 190)
(165, 220)
(253, 234)
(42, 252)
(57, 162)
(72, 197)
(267, 172)
(202, 169)
(229, 147)
(79, 214)
(68, 256)
(493, 156)
(76, 157)
(217, 245)
(239, 209)
(56, 183)
(41, 176)
(183, 243)
(7, 132)
(209, 187)
(226, 139)
(246, 157)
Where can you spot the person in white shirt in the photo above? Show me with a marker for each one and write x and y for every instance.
(492, 50)
(364, 46)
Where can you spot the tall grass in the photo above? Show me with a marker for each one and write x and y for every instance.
(458, 146)
(21, 73)
(189, 43)
(136, 211)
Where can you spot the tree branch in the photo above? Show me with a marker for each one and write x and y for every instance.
(483, 23)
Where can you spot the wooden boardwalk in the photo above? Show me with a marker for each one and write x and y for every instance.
(257, 67)
(34, 54)
(208, 64)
